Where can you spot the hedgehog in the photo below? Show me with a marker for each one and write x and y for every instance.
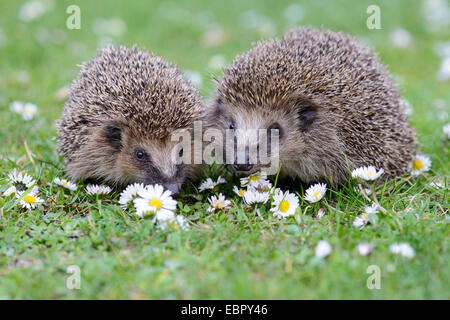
(329, 100)
(122, 111)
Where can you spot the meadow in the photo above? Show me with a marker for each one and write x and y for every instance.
(237, 253)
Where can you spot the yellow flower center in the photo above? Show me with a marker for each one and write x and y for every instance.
(173, 224)
(29, 199)
(65, 183)
(254, 178)
(284, 205)
(156, 203)
(316, 195)
(365, 216)
(219, 205)
(241, 192)
(417, 165)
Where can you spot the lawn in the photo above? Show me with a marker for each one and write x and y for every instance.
(235, 254)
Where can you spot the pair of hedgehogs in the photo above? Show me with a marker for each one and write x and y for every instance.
(334, 104)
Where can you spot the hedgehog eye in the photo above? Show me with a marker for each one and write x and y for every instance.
(232, 126)
(140, 155)
(180, 153)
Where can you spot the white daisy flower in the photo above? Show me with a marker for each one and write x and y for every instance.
(239, 192)
(10, 191)
(369, 173)
(260, 185)
(402, 249)
(21, 180)
(178, 222)
(130, 193)
(207, 184)
(323, 249)
(16, 106)
(252, 196)
(220, 180)
(320, 213)
(284, 204)
(444, 70)
(30, 201)
(315, 192)
(153, 199)
(372, 209)
(256, 178)
(29, 111)
(401, 38)
(361, 221)
(364, 249)
(218, 203)
(446, 129)
(421, 163)
(94, 189)
(65, 183)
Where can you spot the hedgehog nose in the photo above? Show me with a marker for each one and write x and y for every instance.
(174, 187)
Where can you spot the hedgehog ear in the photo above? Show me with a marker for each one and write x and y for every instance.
(307, 112)
(113, 133)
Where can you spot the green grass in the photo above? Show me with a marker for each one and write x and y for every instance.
(225, 255)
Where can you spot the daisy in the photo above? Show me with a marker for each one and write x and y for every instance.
(130, 193)
(94, 189)
(372, 209)
(316, 192)
(239, 192)
(260, 185)
(30, 201)
(16, 106)
(207, 184)
(252, 196)
(10, 191)
(218, 203)
(284, 204)
(29, 111)
(363, 219)
(178, 222)
(153, 199)
(320, 213)
(421, 163)
(402, 249)
(21, 180)
(65, 183)
(364, 249)
(367, 173)
(446, 130)
(401, 38)
(220, 180)
(257, 178)
(323, 249)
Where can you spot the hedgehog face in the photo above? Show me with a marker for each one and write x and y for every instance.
(142, 159)
(264, 133)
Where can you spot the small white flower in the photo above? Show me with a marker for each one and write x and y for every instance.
(367, 173)
(401, 38)
(323, 249)
(372, 209)
(320, 213)
(65, 183)
(239, 192)
(218, 203)
(178, 222)
(364, 249)
(210, 184)
(94, 189)
(252, 196)
(444, 70)
(421, 163)
(402, 249)
(446, 129)
(315, 192)
(153, 199)
(284, 204)
(16, 106)
(32, 9)
(254, 179)
(30, 200)
(360, 221)
(29, 111)
(10, 191)
(130, 193)
(260, 185)
(21, 180)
